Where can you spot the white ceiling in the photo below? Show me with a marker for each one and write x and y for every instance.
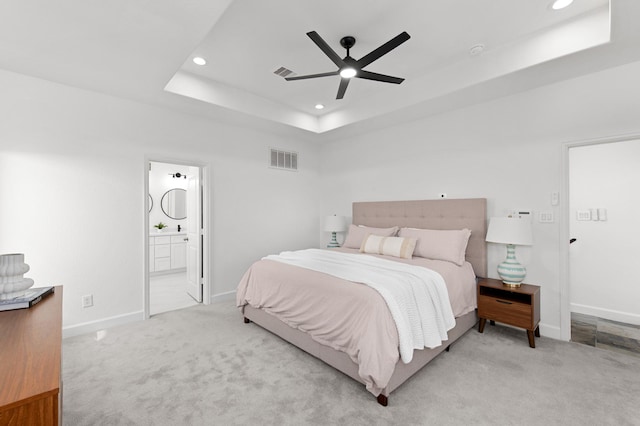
(142, 50)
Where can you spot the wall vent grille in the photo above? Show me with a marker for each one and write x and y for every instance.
(284, 72)
(285, 160)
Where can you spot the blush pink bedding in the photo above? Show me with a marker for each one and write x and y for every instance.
(346, 316)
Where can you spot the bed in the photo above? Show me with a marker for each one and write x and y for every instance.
(446, 214)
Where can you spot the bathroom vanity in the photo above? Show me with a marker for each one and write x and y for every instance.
(167, 252)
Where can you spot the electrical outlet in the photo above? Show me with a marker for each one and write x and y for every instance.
(442, 195)
(87, 301)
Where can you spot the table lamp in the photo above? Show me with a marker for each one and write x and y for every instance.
(334, 224)
(512, 232)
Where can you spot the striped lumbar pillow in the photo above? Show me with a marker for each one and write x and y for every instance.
(390, 246)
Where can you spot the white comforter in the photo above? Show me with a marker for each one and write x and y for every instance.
(417, 297)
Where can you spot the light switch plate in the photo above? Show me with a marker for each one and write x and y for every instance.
(583, 215)
(545, 217)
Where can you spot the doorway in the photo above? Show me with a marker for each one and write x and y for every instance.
(598, 290)
(175, 233)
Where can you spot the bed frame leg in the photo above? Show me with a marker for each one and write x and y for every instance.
(246, 320)
(383, 400)
(448, 347)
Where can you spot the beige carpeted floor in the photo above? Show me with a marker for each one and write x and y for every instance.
(204, 366)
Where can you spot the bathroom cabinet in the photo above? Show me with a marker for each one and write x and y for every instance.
(167, 252)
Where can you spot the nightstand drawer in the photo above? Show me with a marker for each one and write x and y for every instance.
(506, 311)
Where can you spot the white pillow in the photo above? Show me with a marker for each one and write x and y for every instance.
(357, 234)
(449, 245)
(390, 246)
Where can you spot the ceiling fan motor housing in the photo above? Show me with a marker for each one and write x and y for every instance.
(347, 42)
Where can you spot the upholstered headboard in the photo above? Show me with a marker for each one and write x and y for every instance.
(433, 214)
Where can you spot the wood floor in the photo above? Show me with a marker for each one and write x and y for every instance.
(168, 293)
(605, 334)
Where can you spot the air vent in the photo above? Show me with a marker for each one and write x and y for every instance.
(285, 160)
(284, 72)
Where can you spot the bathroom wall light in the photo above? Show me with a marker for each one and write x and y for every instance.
(178, 175)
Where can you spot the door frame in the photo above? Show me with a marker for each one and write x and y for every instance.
(565, 220)
(205, 203)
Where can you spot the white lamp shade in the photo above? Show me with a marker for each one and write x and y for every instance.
(335, 224)
(508, 230)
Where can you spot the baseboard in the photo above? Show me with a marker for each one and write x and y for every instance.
(550, 331)
(223, 297)
(94, 326)
(610, 314)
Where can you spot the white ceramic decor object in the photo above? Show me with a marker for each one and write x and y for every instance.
(12, 282)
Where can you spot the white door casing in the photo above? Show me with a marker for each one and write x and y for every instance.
(194, 232)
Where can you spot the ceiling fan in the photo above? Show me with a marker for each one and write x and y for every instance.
(349, 67)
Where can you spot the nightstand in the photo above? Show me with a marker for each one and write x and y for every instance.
(516, 306)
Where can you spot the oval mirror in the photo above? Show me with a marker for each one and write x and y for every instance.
(150, 202)
(174, 203)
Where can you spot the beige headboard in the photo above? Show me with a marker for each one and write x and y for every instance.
(432, 214)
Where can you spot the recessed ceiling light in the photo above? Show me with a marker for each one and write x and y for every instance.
(319, 106)
(347, 73)
(560, 4)
(199, 61)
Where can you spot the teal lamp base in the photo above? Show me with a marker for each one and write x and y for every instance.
(334, 242)
(511, 272)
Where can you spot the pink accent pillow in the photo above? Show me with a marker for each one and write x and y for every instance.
(449, 245)
(357, 233)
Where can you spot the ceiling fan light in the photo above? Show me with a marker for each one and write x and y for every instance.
(347, 72)
(560, 4)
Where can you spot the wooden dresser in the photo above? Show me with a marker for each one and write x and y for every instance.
(30, 363)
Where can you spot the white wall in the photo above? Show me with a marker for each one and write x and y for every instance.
(508, 151)
(604, 259)
(72, 179)
(72, 167)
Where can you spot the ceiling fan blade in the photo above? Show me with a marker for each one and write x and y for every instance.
(304, 77)
(326, 49)
(368, 75)
(384, 49)
(344, 82)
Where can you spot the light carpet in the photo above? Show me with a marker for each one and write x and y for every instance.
(204, 366)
